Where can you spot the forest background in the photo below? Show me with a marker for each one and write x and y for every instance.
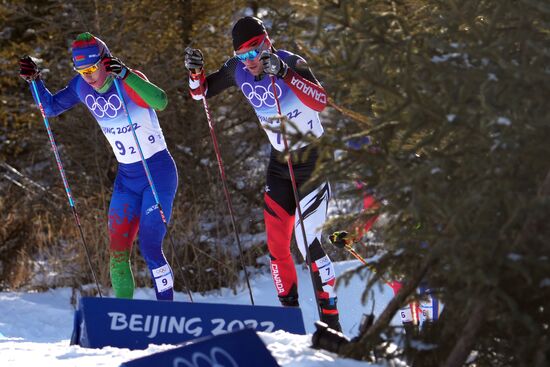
(453, 96)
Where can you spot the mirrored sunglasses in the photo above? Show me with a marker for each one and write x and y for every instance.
(252, 54)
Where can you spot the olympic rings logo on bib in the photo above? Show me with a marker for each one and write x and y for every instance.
(104, 107)
(260, 95)
(218, 358)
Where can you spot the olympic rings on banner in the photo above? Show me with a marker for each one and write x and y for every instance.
(218, 358)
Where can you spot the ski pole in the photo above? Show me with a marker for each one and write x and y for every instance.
(295, 192)
(151, 184)
(65, 183)
(339, 240)
(225, 189)
(356, 255)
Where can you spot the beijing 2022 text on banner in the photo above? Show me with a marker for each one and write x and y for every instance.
(135, 324)
(242, 348)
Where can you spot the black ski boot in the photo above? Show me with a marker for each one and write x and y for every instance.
(289, 301)
(329, 313)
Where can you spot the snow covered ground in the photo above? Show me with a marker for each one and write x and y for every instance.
(35, 328)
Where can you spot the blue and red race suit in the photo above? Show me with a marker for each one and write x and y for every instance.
(133, 208)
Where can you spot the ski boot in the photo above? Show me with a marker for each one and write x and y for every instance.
(289, 301)
(329, 313)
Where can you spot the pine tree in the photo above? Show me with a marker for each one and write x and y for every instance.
(453, 95)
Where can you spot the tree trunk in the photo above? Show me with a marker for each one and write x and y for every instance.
(463, 346)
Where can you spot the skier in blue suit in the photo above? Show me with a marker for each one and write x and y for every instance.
(133, 208)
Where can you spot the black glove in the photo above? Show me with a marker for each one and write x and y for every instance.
(194, 61)
(339, 239)
(273, 65)
(115, 67)
(28, 69)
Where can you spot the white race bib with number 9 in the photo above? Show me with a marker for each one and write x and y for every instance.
(108, 110)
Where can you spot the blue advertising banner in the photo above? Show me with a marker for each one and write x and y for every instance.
(135, 324)
(242, 348)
